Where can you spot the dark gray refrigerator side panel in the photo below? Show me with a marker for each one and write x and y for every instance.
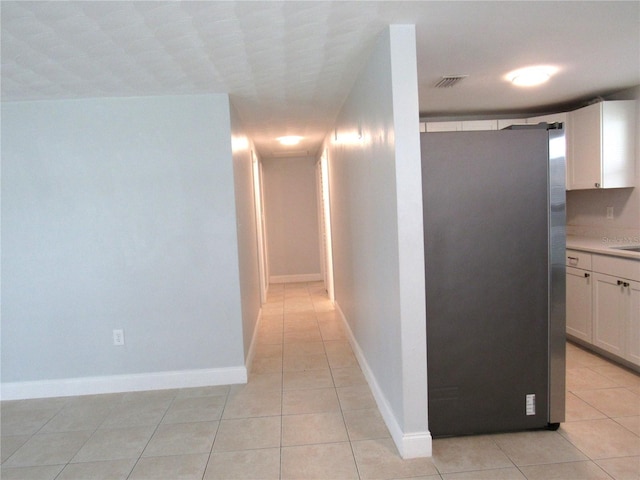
(487, 278)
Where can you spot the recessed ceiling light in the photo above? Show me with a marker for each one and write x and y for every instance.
(289, 140)
(531, 76)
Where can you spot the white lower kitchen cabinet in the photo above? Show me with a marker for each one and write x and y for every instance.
(579, 318)
(633, 330)
(609, 306)
(603, 304)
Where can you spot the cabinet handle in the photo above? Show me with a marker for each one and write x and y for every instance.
(624, 284)
(587, 275)
(573, 260)
(597, 185)
(620, 282)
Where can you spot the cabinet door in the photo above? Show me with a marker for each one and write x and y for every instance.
(584, 148)
(633, 322)
(609, 314)
(579, 319)
(618, 144)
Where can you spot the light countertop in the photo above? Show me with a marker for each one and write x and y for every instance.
(602, 245)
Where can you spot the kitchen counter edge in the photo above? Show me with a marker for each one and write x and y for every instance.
(600, 246)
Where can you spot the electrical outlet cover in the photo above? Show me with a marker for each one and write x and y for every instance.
(118, 337)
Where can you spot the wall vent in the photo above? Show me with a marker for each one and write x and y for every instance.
(449, 81)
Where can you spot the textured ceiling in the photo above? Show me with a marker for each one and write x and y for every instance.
(288, 66)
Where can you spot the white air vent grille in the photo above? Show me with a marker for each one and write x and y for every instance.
(449, 81)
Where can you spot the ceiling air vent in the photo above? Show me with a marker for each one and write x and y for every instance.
(449, 81)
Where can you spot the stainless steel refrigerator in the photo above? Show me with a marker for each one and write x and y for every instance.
(494, 230)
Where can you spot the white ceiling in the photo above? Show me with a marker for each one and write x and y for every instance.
(288, 66)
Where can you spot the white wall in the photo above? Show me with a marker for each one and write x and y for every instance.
(247, 230)
(119, 213)
(376, 207)
(586, 209)
(291, 212)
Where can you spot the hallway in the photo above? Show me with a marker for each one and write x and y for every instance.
(331, 427)
(307, 413)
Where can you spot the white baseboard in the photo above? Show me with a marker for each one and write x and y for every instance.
(306, 277)
(416, 445)
(254, 340)
(409, 445)
(66, 387)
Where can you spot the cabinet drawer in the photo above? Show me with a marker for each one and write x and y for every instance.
(577, 259)
(616, 266)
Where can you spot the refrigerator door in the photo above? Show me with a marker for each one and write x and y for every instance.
(486, 230)
(557, 291)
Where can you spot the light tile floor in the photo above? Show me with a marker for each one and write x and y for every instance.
(307, 413)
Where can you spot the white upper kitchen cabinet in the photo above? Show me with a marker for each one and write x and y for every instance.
(550, 118)
(462, 126)
(507, 122)
(479, 125)
(601, 146)
(443, 126)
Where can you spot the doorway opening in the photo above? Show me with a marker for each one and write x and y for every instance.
(324, 220)
(292, 197)
(263, 264)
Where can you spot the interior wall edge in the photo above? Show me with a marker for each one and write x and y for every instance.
(411, 270)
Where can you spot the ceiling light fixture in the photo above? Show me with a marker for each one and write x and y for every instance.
(531, 76)
(289, 140)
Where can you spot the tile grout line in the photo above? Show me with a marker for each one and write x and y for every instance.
(282, 387)
(215, 436)
(151, 436)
